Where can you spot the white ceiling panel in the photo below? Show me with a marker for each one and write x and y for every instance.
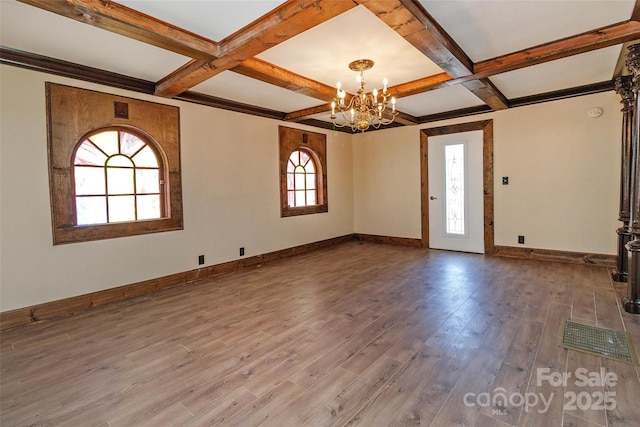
(324, 52)
(236, 87)
(486, 29)
(213, 19)
(439, 100)
(574, 71)
(34, 30)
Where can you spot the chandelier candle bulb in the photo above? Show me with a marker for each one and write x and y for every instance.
(384, 83)
(333, 108)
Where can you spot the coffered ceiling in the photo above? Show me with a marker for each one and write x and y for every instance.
(283, 59)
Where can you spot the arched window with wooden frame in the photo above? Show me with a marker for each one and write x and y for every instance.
(303, 177)
(119, 176)
(114, 165)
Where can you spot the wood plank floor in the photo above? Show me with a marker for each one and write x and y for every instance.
(356, 334)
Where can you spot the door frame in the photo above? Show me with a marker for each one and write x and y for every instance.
(486, 126)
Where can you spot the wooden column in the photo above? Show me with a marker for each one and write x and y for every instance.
(632, 300)
(624, 88)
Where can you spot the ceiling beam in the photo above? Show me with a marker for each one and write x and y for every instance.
(130, 23)
(593, 40)
(308, 113)
(409, 19)
(278, 76)
(406, 119)
(487, 92)
(425, 84)
(586, 42)
(324, 109)
(635, 15)
(284, 22)
(270, 73)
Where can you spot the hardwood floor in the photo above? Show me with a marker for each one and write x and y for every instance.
(356, 334)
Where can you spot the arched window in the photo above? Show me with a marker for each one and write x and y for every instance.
(303, 172)
(118, 177)
(111, 173)
(301, 179)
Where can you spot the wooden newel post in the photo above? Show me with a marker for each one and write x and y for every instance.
(632, 300)
(624, 88)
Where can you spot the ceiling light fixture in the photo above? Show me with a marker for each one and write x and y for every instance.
(364, 110)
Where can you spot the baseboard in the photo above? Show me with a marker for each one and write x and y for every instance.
(401, 241)
(69, 306)
(602, 260)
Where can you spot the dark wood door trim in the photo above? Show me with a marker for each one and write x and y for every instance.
(486, 126)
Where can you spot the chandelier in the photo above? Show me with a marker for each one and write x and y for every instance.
(364, 110)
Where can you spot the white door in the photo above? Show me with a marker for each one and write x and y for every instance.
(456, 210)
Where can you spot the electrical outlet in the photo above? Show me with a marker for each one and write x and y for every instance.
(521, 240)
(200, 259)
(505, 180)
(241, 251)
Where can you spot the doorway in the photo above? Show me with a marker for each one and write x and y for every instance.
(462, 225)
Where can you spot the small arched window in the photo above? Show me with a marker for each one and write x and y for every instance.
(303, 172)
(118, 177)
(302, 181)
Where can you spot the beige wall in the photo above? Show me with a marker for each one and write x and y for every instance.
(563, 193)
(230, 196)
(563, 170)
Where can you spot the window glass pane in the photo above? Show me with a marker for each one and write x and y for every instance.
(300, 198)
(146, 158)
(89, 154)
(107, 141)
(89, 180)
(120, 161)
(295, 158)
(454, 188)
(311, 197)
(291, 198)
(310, 167)
(299, 181)
(120, 180)
(121, 208)
(290, 166)
(91, 210)
(130, 144)
(290, 181)
(148, 206)
(147, 181)
(311, 181)
(304, 158)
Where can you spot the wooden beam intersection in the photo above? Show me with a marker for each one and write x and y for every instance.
(286, 21)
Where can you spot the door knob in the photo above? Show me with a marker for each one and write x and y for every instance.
(432, 198)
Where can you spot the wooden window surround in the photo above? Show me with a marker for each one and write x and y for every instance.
(313, 145)
(73, 115)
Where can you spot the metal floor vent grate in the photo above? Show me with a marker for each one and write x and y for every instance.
(598, 341)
